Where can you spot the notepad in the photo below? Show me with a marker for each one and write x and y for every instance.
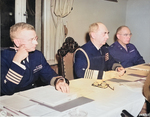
(48, 95)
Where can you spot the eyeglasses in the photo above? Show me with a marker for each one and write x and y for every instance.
(31, 39)
(34, 38)
(125, 35)
(102, 84)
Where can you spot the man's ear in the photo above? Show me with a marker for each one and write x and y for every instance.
(118, 36)
(17, 42)
(93, 35)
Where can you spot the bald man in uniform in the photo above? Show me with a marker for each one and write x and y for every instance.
(97, 53)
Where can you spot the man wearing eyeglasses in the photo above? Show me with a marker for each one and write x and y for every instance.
(22, 65)
(92, 59)
(123, 51)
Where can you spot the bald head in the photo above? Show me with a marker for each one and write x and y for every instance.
(98, 34)
(97, 27)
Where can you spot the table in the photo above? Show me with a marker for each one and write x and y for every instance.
(97, 102)
(109, 102)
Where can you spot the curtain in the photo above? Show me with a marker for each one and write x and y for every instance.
(48, 31)
(61, 9)
(54, 12)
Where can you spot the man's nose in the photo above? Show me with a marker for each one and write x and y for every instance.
(107, 36)
(35, 42)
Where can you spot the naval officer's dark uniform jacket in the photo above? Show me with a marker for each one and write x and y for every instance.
(15, 78)
(100, 60)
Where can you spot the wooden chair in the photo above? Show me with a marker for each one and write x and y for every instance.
(65, 58)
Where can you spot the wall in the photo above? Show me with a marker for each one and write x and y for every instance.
(138, 20)
(86, 12)
(133, 13)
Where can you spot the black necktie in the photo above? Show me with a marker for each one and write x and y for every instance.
(26, 63)
(100, 51)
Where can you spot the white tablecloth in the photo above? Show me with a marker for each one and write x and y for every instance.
(127, 95)
(109, 103)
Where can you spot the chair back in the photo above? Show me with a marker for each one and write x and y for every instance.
(65, 58)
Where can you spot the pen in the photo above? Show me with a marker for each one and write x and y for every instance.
(23, 113)
(14, 111)
(10, 110)
(12, 47)
(15, 47)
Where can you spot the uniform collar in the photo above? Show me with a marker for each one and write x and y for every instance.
(120, 46)
(93, 46)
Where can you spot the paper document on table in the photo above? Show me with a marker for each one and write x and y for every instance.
(16, 102)
(110, 74)
(144, 67)
(48, 95)
(137, 75)
(37, 110)
(118, 80)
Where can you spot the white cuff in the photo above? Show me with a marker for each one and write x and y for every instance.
(52, 82)
(20, 65)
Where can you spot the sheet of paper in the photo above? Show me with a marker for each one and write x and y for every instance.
(110, 74)
(36, 110)
(144, 67)
(137, 75)
(134, 76)
(16, 102)
(48, 95)
(7, 112)
(118, 80)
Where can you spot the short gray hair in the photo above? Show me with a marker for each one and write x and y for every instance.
(18, 27)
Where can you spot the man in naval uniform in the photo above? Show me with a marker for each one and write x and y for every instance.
(22, 65)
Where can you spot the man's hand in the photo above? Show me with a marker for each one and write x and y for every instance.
(121, 71)
(21, 54)
(62, 86)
